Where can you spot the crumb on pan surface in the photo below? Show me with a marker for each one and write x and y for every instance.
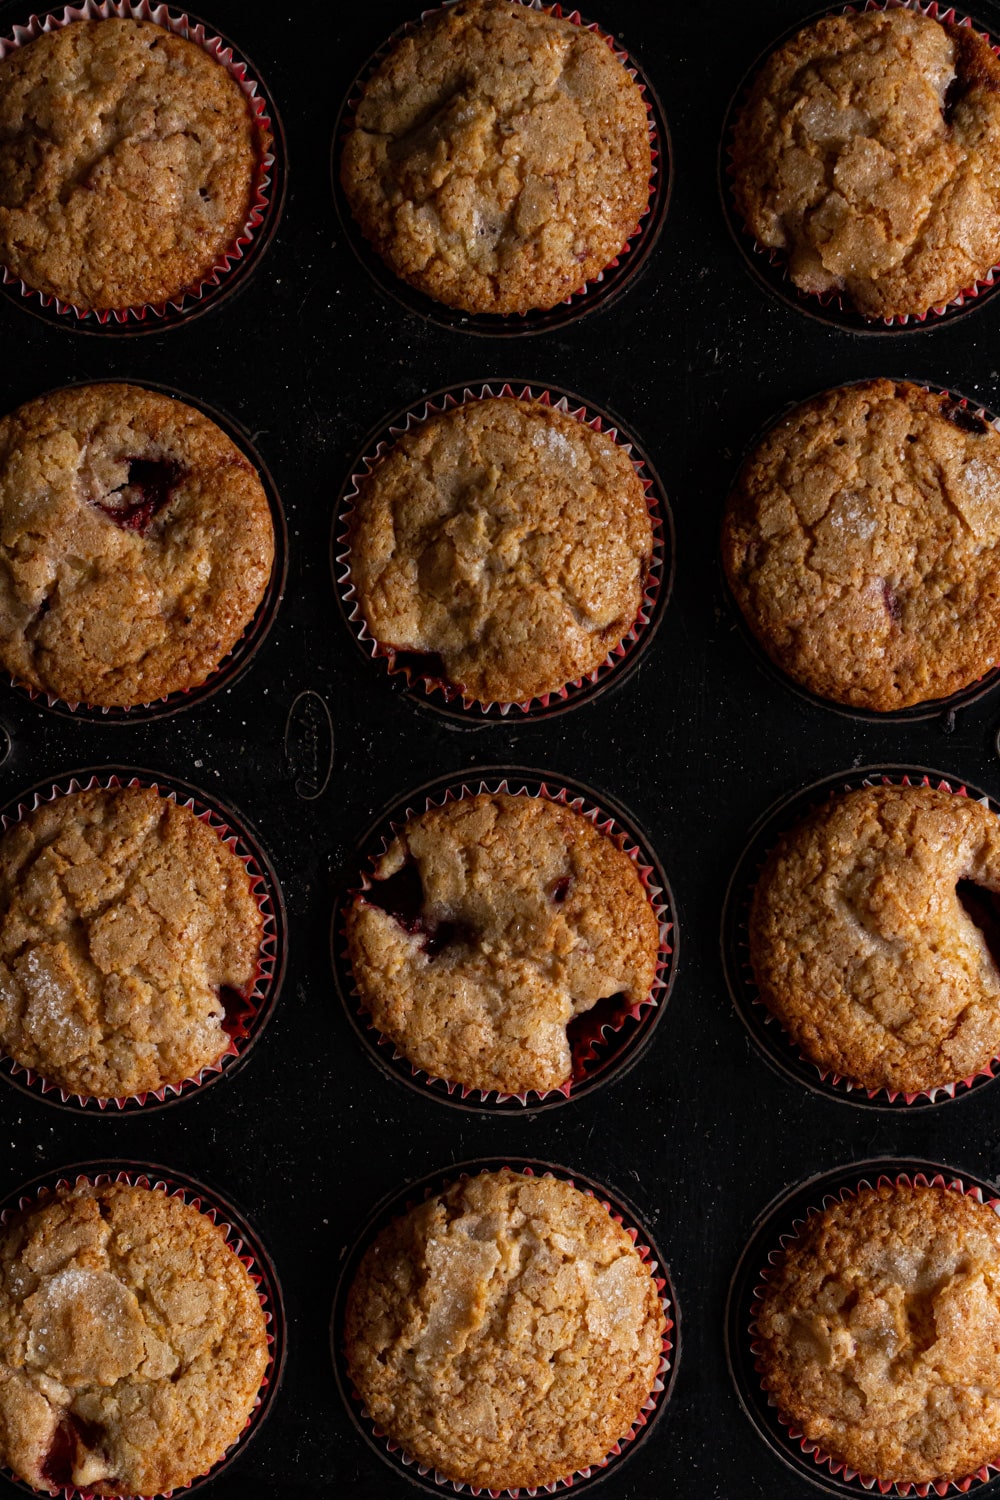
(506, 1331)
(499, 157)
(132, 1342)
(490, 924)
(862, 543)
(136, 544)
(874, 936)
(128, 157)
(879, 1333)
(124, 920)
(506, 538)
(869, 152)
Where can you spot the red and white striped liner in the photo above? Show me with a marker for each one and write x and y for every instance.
(267, 957)
(940, 1092)
(560, 13)
(837, 1468)
(265, 1294)
(181, 25)
(947, 16)
(452, 695)
(605, 824)
(649, 1405)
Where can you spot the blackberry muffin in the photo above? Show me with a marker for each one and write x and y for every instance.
(490, 923)
(861, 541)
(498, 158)
(506, 542)
(506, 1332)
(127, 927)
(128, 160)
(874, 936)
(879, 1329)
(868, 152)
(132, 1342)
(136, 544)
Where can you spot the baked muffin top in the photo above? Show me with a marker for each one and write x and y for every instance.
(136, 544)
(879, 1332)
(506, 538)
(862, 543)
(132, 1342)
(490, 923)
(128, 158)
(124, 920)
(869, 151)
(499, 157)
(506, 1331)
(873, 936)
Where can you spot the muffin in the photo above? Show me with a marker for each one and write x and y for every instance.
(861, 542)
(506, 542)
(868, 154)
(136, 544)
(128, 929)
(128, 162)
(132, 1341)
(878, 1332)
(499, 157)
(505, 1332)
(489, 925)
(874, 937)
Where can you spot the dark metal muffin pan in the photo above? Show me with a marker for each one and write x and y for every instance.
(314, 740)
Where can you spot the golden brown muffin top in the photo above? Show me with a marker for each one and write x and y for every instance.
(867, 151)
(490, 923)
(136, 544)
(862, 543)
(499, 157)
(507, 538)
(124, 922)
(506, 1331)
(879, 1333)
(127, 163)
(873, 936)
(132, 1342)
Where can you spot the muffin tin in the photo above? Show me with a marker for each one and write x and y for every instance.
(315, 741)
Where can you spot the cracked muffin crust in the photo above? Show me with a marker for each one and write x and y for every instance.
(136, 543)
(128, 159)
(505, 1332)
(861, 541)
(490, 924)
(874, 936)
(868, 152)
(879, 1332)
(132, 1342)
(127, 929)
(505, 539)
(499, 157)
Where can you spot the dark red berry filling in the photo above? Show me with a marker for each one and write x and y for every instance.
(983, 908)
(560, 890)
(421, 664)
(892, 605)
(401, 896)
(238, 1012)
(72, 1433)
(960, 416)
(150, 486)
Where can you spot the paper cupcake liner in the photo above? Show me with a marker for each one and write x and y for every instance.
(931, 708)
(606, 1041)
(601, 290)
(770, 267)
(436, 691)
(765, 1029)
(255, 1008)
(429, 1479)
(237, 661)
(233, 267)
(778, 1227)
(240, 1238)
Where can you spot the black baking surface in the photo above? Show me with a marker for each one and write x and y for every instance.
(308, 358)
